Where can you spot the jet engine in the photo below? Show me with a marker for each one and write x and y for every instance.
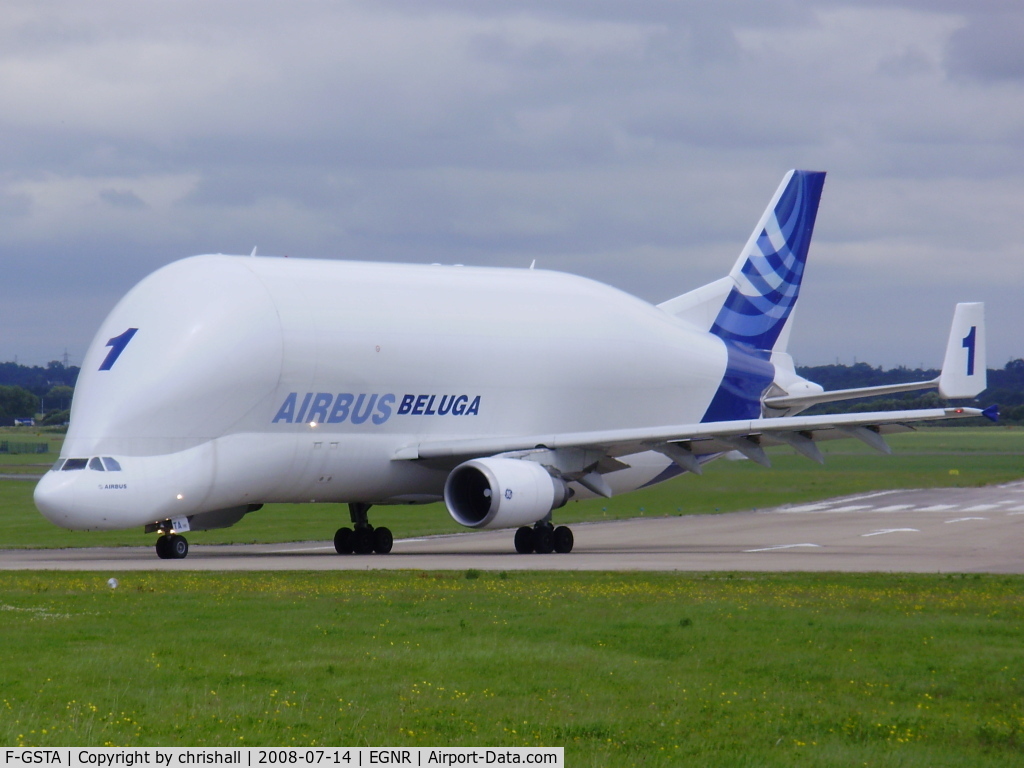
(502, 493)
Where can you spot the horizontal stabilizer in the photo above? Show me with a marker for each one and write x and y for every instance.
(963, 369)
(837, 395)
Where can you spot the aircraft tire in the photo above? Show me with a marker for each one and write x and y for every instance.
(524, 540)
(343, 541)
(543, 540)
(563, 539)
(382, 540)
(362, 541)
(163, 551)
(177, 546)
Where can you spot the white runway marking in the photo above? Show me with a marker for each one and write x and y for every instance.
(937, 508)
(875, 495)
(965, 519)
(827, 508)
(807, 507)
(890, 530)
(982, 507)
(894, 508)
(783, 546)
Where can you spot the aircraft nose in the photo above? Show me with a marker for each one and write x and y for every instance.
(55, 499)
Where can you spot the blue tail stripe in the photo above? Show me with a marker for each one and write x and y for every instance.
(767, 286)
(756, 310)
(771, 298)
(747, 375)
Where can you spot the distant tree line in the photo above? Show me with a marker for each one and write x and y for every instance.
(31, 391)
(36, 379)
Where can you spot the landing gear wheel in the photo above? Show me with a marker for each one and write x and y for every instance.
(176, 546)
(543, 540)
(382, 540)
(171, 546)
(365, 538)
(563, 539)
(163, 551)
(343, 541)
(179, 547)
(524, 540)
(362, 541)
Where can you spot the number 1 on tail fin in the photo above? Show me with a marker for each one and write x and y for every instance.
(968, 344)
(963, 369)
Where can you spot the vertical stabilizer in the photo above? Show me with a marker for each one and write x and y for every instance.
(766, 278)
(963, 369)
(755, 302)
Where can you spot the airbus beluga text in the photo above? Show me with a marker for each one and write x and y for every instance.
(221, 383)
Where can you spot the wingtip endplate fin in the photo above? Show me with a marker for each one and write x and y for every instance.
(964, 372)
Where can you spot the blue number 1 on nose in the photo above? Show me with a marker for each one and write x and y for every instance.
(968, 344)
(117, 345)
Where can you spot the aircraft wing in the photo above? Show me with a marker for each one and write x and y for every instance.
(684, 444)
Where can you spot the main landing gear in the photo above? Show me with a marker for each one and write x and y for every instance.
(543, 539)
(171, 546)
(365, 538)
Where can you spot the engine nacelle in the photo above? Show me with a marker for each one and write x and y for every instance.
(502, 493)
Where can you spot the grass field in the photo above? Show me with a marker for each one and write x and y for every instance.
(924, 459)
(620, 669)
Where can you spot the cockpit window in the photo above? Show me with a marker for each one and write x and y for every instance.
(96, 463)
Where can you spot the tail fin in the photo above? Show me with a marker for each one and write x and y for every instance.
(752, 305)
(963, 369)
(766, 278)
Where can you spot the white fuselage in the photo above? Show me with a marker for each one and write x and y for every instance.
(253, 380)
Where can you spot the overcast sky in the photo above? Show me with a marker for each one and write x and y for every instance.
(635, 143)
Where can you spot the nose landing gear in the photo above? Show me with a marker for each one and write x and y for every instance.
(171, 546)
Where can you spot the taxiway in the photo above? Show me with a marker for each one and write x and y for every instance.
(958, 530)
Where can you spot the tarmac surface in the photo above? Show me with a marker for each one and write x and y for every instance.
(946, 530)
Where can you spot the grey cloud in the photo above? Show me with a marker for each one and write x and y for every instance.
(907, 64)
(990, 46)
(636, 143)
(15, 205)
(122, 198)
(784, 12)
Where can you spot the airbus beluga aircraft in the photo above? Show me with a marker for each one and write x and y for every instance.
(222, 383)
